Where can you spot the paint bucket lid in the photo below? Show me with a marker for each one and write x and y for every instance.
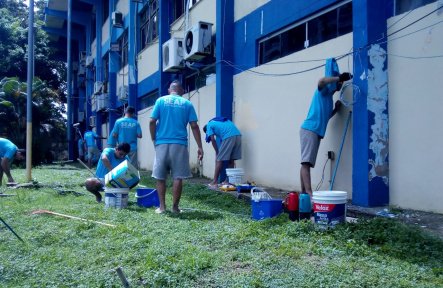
(117, 190)
(235, 171)
(332, 197)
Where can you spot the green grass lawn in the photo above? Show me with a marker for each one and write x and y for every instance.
(213, 243)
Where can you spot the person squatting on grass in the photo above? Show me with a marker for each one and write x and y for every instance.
(321, 110)
(9, 152)
(230, 147)
(91, 146)
(169, 120)
(109, 159)
(127, 129)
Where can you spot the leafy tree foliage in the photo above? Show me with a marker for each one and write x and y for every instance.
(48, 124)
(48, 92)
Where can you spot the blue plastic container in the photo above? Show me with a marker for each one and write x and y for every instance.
(266, 208)
(147, 197)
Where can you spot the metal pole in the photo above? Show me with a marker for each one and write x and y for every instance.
(68, 82)
(30, 80)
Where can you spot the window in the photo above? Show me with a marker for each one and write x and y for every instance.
(105, 11)
(193, 2)
(123, 43)
(149, 24)
(315, 30)
(402, 6)
(177, 9)
(148, 100)
(105, 69)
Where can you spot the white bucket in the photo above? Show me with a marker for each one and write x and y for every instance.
(235, 175)
(116, 197)
(329, 208)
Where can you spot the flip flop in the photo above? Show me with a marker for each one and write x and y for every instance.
(212, 187)
(158, 211)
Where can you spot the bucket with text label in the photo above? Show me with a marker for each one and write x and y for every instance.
(329, 208)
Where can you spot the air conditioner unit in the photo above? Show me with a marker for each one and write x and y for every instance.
(81, 71)
(82, 57)
(102, 101)
(98, 86)
(92, 121)
(198, 41)
(89, 61)
(123, 93)
(172, 51)
(117, 19)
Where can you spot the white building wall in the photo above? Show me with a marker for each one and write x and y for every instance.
(243, 8)
(105, 32)
(204, 104)
(122, 78)
(94, 48)
(270, 110)
(148, 61)
(415, 109)
(123, 7)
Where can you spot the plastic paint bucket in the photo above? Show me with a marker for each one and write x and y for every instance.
(235, 175)
(329, 208)
(147, 197)
(116, 197)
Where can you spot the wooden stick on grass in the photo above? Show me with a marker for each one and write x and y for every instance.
(70, 217)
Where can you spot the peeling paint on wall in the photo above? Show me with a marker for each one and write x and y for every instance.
(377, 104)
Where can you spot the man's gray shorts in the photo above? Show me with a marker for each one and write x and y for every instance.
(230, 149)
(171, 157)
(309, 143)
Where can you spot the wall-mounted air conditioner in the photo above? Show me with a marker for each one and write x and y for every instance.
(81, 70)
(98, 87)
(198, 41)
(117, 19)
(89, 61)
(123, 92)
(172, 51)
(92, 121)
(102, 101)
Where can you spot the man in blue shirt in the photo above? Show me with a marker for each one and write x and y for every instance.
(9, 152)
(313, 128)
(109, 159)
(127, 130)
(91, 145)
(169, 120)
(230, 147)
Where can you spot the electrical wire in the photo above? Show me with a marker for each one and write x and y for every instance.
(322, 176)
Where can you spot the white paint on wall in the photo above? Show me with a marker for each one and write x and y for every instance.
(105, 31)
(123, 7)
(148, 61)
(415, 109)
(243, 8)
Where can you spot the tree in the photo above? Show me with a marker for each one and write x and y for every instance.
(48, 93)
(48, 123)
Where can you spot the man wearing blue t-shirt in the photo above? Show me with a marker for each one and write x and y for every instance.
(169, 120)
(8, 152)
(109, 159)
(230, 147)
(91, 145)
(127, 130)
(313, 128)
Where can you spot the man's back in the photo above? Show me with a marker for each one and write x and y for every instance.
(127, 129)
(173, 114)
(90, 138)
(7, 148)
